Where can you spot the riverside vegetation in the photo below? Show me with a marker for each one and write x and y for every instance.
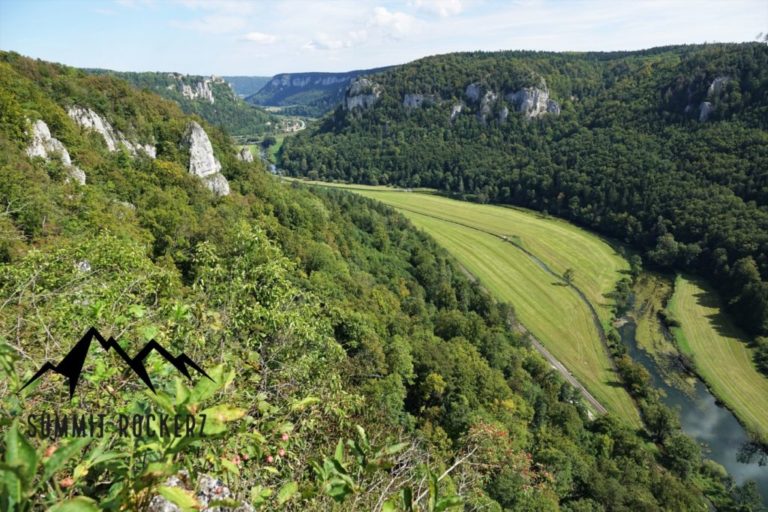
(354, 366)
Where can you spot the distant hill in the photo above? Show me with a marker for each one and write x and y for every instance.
(210, 97)
(309, 94)
(245, 86)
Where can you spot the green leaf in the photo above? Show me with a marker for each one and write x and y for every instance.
(448, 502)
(259, 495)
(62, 454)
(389, 506)
(304, 403)
(432, 492)
(10, 484)
(218, 416)
(408, 499)
(19, 452)
(149, 332)
(137, 311)
(363, 437)
(79, 504)
(205, 388)
(230, 466)
(392, 449)
(182, 392)
(287, 492)
(339, 455)
(182, 498)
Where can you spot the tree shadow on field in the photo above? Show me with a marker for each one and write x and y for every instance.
(719, 320)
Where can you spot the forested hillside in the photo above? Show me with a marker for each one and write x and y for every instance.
(666, 149)
(212, 98)
(306, 94)
(353, 366)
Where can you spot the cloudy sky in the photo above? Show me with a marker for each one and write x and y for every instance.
(255, 37)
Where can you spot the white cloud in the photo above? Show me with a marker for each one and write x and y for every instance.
(259, 37)
(325, 42)
(442, 8)
(394, 24)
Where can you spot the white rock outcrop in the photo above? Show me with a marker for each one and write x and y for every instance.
(91, 120)
(705, 110)
(486, 105)
(202, 162)
(45, 146)
(715, 89)
(199, 90)
(533, 101)
(717, 86)
(456, 110)
(503, 114)
(362, 94)
(245, 155)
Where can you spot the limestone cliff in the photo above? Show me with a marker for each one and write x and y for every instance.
(362, 94)
(91, 120)
(45, 146)
(245, 155)
(202, 162)
(533, 101)
(713, 92)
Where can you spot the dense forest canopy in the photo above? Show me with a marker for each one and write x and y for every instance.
(315, 312)
(666, 149)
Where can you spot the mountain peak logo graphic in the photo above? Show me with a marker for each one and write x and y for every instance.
(72, 364)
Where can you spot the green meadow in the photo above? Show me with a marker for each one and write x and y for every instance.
(720, 352)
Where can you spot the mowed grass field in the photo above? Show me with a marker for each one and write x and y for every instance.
(559, 244)
(553, 312)
(720, 352)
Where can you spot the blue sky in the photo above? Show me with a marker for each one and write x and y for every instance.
(253, 37)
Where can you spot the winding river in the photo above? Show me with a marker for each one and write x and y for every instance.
(712, 425)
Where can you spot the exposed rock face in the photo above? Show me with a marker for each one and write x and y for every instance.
(90, 120)
(715, 89)
(486, 105)
(245, 155)
(717, 86)
(533, 101)
(45, 146)
(202, 162)
(503, 114)
(199, 90)
(553, 107)
(705, 109)
(473, 92)
(418, 100)
(456, 110)
(362, 94)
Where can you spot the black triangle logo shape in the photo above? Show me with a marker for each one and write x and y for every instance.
(72, 365)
